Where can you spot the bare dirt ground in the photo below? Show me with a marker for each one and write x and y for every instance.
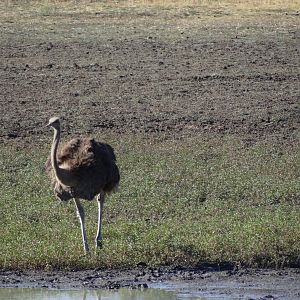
(172, 75)
(175, 74)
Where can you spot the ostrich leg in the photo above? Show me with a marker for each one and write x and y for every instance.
(100, 200)
(80, 214)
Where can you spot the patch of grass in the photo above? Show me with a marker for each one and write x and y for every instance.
(143, 8)
(180, 202)
(87, 21)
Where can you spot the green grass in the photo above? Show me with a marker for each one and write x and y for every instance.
(180, 202)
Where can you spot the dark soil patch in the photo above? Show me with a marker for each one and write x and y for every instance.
(146, 76)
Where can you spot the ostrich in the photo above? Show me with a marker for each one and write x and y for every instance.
(82, 169)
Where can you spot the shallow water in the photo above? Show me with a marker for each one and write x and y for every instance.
(121, 294)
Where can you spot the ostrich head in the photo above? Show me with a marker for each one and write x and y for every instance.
(54, 122)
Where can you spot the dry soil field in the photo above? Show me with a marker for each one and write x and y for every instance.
(168, 71)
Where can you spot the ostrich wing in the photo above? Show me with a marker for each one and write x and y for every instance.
(92, 165)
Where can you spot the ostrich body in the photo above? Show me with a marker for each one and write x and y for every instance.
(82, 169)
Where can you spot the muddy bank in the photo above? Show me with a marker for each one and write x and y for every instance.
(207, 280)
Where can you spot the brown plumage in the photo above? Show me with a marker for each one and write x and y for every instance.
(82, 169)
(93, 168)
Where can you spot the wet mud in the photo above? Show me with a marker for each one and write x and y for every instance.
(206, 281)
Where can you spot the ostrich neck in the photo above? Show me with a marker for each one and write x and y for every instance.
(54, 147)
(61, 174)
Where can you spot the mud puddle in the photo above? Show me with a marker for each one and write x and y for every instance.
(172, 293)
(229, 290)
(204, 282)
(121, 294)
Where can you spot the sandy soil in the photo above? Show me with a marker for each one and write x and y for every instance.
(207, 280)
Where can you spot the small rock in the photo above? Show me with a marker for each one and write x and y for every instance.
(12, 135)
(50, 46)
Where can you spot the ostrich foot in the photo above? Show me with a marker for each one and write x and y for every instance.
(99, 244)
